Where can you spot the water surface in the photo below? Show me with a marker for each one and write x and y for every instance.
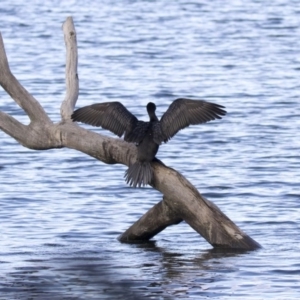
(61, 211)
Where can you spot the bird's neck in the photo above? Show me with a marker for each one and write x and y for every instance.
(152, 116)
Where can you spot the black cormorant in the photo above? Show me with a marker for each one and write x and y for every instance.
(147, 136)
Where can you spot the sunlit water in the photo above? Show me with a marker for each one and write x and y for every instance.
(62, 211)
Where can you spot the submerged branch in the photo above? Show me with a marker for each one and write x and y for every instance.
(154, 221)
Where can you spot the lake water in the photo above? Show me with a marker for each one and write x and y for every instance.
(62, 211)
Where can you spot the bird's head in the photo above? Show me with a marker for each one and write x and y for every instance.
(151, 107)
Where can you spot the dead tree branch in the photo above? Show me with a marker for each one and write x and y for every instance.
(181, 200)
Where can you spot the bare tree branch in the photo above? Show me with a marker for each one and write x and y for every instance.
(12, 127)
(181, 200)
(106, 149)
(72, 82)
(12, 86)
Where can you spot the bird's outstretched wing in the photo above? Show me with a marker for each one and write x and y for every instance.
(184, 112)
(112, 116)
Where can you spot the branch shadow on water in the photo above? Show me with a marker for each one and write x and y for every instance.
(175, 263)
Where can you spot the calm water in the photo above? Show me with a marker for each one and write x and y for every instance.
(62, 211)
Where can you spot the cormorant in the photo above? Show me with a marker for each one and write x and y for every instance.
(147, 136)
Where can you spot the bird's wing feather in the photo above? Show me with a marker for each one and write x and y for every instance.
(138, 132)
(112, 116)
(184, 112)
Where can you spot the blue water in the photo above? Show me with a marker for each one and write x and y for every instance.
(62, 211)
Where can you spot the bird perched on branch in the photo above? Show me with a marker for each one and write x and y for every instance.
(147, 136)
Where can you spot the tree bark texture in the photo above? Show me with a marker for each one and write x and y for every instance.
(181, 200)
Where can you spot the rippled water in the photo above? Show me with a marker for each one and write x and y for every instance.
(62, 211)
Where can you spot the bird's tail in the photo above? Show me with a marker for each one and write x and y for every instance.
(138, 174)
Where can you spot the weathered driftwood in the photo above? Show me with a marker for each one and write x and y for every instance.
(181, 199)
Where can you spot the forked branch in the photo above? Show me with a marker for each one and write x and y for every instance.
(181, 200)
